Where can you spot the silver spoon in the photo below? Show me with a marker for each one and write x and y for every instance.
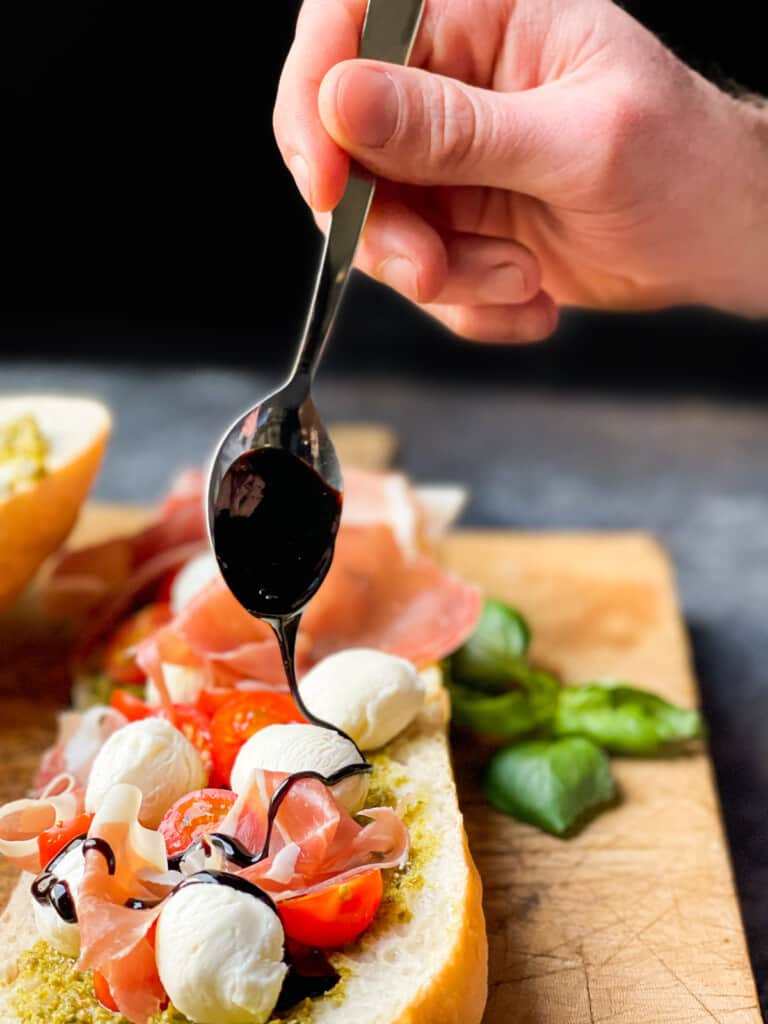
(287, 420)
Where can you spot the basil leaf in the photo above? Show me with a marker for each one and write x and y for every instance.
(90, 689)
(530, 706)
(554, 784)
(624, 720)
(494, 656)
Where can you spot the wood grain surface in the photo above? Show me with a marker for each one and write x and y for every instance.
(635, 921)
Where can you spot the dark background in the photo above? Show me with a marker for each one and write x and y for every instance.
(146, 211)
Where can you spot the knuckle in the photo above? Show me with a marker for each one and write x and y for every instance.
(450, 123)
(620, 125)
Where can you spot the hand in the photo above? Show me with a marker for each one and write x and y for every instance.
(536, 153)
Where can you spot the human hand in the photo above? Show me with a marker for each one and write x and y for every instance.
(536, 153)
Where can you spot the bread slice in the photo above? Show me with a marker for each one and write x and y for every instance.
(424, 959)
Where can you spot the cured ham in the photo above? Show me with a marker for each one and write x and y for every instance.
(375, 595)
(115, 939)
(81, 736)
(23, 821)
(113, 575)
(314, 841)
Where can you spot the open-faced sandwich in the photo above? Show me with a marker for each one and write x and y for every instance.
(195, 849)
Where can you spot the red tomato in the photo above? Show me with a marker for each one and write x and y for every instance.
(54, 839)
(242, 716)
(102, 992)
(193, 815)
(120, 652)
(211, 698)
(130, 706)
(335, 914)
(196, 726)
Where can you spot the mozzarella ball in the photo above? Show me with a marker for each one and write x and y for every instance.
(62, 935)
(297, 748)
(372, 696)
(219, 955)
(152, 755)
(194, 577)
(184, 684)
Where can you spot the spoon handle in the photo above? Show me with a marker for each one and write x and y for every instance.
(389, 32)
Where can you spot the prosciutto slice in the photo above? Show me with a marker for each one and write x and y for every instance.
(23, 821)
(113, 575)
(375, 595)
(314, 841)
(115, 939)
(81, 736)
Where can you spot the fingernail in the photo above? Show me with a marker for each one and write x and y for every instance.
(368, 104)
(401, 274)
(502, 284)
(297, 165)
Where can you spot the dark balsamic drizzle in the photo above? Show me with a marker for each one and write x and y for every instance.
(47, 888)
(238, 854)
(209, 877)
(274, 533)
(102, 847)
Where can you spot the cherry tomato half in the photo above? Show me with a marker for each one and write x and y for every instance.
(211, 698)
(335, 914)
(193, 815)
(196, 726)
(120, 651)
(102, 992)
(54, 839)
(132, 707)
(242, 716)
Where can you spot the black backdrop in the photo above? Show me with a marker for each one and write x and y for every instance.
(144, 196)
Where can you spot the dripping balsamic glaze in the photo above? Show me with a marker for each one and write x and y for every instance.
(274, 531)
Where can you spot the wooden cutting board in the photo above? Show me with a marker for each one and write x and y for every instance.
(636, 920)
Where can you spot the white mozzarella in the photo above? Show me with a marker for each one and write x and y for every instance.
(298, 747)
(62, 935)
(184, 685)
(192, 578)
(372, 696)
(220, 955)
(152, 755)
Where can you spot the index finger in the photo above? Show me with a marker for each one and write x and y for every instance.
(327, 31)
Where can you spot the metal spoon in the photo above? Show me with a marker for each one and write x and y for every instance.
(288, 419)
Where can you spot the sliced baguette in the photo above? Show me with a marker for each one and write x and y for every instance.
(424, 960)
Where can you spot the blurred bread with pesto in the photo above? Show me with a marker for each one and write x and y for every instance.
(51, 447)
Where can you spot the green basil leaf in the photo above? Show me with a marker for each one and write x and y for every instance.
(527, 708)
(90, 689)
(554, 784)
(625, 720)
(494, 656)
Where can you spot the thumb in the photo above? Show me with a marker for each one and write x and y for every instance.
(413, 126)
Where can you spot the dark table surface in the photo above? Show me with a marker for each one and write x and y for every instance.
(686, 464)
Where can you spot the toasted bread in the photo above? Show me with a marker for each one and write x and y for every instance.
(424, 959)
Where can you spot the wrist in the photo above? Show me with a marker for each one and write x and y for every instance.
(739, 209)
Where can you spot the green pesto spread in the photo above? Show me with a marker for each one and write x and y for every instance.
(23, 451)
(49, 989)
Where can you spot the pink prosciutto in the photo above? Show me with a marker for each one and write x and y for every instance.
(314, 841)
(116, 940)
(376, 595)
